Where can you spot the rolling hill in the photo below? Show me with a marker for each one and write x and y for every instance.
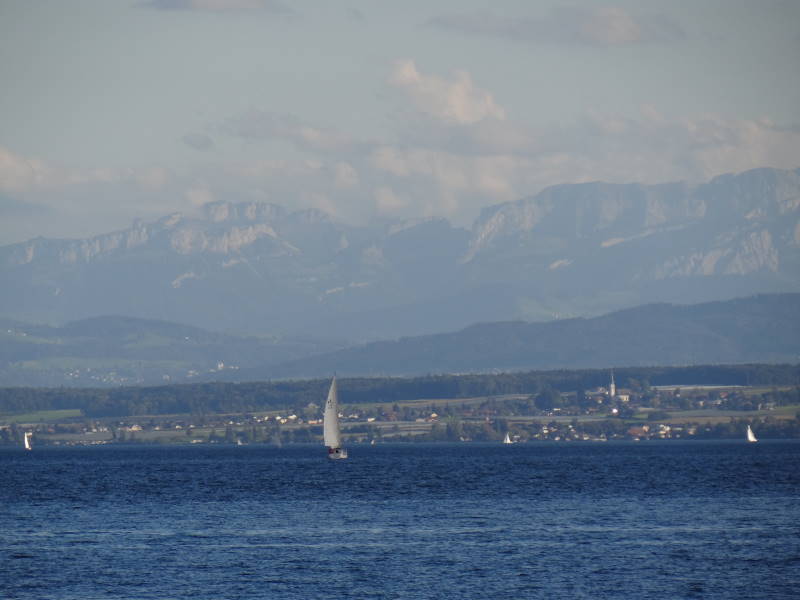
(763, 328)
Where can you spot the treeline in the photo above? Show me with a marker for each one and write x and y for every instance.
(211, 398)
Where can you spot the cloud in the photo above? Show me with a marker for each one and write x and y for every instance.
(153, 178)
(651, 147)
(455, 100)
(454, 170)
(595, 26)
(436, 182)
(18, 173)
(346, 175)
(455, 151)
(21, 174)
(43, 198)
(274, 7)
(388, 203)
(199, 195)
(263, 125)
(198, 141)
(355, 14)
(459, 151)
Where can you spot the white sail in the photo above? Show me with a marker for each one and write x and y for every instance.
(507, 439)
(27, 440)
(330, 425)
(330, 428)
(751, 437)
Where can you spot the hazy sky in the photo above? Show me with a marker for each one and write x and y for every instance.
(116, 109)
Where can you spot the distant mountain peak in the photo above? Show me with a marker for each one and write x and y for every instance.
(581, 249)
(220, 212)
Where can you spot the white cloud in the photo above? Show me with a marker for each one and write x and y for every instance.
(199, 195)
(650, 147)
(459, 152)
(454, 170)
(388, 203)
(346, 175)
(436, 182)
(456, 100)
(18, 173)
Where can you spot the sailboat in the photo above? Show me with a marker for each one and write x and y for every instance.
(330, 424)
(27, 440)
(751, 437)
(507, 439)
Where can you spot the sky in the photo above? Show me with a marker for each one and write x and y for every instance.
(116, 110)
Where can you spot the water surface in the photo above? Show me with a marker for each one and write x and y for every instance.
(673, 520)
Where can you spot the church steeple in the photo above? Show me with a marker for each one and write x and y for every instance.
(612, 388)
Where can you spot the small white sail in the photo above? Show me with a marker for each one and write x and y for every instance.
(330, 424)
(27, 440)
(751, 437)
(507, 439)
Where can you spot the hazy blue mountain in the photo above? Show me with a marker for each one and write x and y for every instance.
(764, 328)
(110, 351)
(571, 250)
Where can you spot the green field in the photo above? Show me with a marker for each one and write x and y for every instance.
(42, 416)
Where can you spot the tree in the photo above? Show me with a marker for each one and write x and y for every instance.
(454, 430)
(548, 399)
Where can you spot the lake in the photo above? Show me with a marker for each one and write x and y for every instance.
(619, 520)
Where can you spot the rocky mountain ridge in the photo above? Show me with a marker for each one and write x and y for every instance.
(571, 250)
(746, 220)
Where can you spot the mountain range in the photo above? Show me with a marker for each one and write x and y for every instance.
(114, 351)
(573, 250)
(764, 328)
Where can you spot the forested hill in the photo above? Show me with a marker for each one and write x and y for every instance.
(764, 328)
(210, 398)
(125, 351)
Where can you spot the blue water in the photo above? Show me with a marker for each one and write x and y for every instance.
(666, 520)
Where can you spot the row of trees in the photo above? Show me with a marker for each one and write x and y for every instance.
(209, 398)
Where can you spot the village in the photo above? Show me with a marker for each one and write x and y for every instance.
(598, 415)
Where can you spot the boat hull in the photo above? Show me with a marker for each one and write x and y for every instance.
(337, 453)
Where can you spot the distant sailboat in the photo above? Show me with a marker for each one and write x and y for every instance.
(27, 440)
(507, 439)
(751, 437)
(330, 426)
